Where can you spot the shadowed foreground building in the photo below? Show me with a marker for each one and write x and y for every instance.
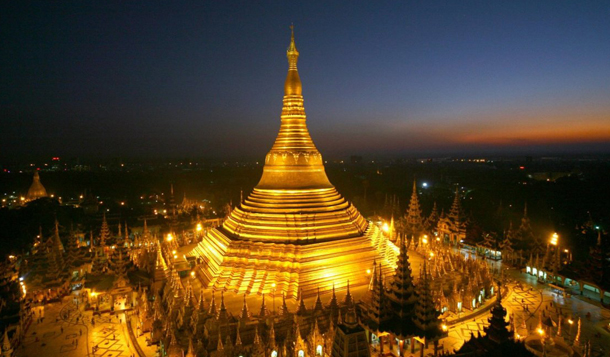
(295, 233)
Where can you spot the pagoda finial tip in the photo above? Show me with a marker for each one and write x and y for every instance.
(293, 82)
(292, 49)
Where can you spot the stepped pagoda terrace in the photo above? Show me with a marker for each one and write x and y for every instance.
(294, 234)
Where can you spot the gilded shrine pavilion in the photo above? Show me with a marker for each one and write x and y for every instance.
(294, 234)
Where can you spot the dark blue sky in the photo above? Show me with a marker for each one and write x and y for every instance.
(205, 79)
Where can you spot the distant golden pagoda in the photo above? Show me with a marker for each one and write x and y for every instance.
(36, 190)
(294, 233)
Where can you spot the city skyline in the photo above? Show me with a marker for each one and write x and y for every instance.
(409, 79)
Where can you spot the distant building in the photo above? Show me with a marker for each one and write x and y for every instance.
(36, 190)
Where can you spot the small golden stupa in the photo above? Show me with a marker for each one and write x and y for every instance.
(36, 190)
(295, 233)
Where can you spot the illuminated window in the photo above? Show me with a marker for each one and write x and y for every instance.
(301, 353)
(274, 354)
(459, 306)
(474, 303)
(319, 350)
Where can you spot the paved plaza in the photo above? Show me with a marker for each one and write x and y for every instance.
(527, 300)
(64, 329)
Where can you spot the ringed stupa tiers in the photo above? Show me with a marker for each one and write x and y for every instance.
(294, 234)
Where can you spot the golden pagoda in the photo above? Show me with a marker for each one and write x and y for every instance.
(294, 234)
(36, 190)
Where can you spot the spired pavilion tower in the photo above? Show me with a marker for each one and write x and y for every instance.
(294, 234)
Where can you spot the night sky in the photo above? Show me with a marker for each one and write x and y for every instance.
(395, 78)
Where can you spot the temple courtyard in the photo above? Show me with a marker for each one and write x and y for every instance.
(64, 329)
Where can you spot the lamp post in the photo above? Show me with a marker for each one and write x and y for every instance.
(555, 242)
(198, 229)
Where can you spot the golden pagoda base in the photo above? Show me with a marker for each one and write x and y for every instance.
(243, 266)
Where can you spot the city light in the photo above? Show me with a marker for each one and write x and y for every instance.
(199, 227)
(425, 184)
(444, 327)
(193, 274)
(170, 237)
(425, 239)
(385, 227)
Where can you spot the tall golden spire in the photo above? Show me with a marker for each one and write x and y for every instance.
(294, 162)
(293, 81)
(294, 232)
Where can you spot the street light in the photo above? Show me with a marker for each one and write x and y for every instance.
(425, 239)
(170, 237)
